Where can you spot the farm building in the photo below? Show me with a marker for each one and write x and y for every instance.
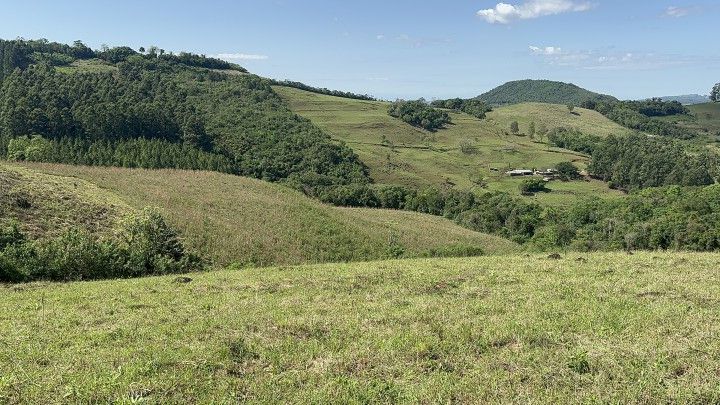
(520, 172)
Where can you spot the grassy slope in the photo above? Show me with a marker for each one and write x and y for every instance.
(616, 329)
(237, 219)
(705, 120)
(424, 158)
(45, 205)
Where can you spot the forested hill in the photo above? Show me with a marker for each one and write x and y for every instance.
(152, 109)
(541, 91)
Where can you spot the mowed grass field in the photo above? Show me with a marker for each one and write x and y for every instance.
(415, 157)
(598, 328)
(237, 220)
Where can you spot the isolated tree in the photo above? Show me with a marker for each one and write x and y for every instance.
(715, 93)
(531, 130)
(514, 127)
(542, 131)
(570, 107)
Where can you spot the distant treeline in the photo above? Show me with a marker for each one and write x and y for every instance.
(471, 106)
(639, 115)
(336, 93)
(670, 217)
(21, 53)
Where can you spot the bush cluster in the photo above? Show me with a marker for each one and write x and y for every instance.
(146, 245)
(418, 113)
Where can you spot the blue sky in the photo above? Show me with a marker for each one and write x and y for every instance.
(412, 48)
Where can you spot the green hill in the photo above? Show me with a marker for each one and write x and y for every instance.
(398, 153)
(119, 107)
(541, 91)
(233, 219)
(611, 328)
(687, 99)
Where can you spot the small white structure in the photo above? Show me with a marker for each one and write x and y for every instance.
(520, 172)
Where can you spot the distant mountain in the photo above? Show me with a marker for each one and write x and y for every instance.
(688, 99)
(542, 91)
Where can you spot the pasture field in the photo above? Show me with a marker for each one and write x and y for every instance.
(243, 221)
(584, 328)
(398, 153)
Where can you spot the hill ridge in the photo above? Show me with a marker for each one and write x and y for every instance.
(542, 91)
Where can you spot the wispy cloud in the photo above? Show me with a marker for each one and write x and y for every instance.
(612, 59)
(678, 12)
(548, 50)
(380, 37)
(240, 56)
(504, 13)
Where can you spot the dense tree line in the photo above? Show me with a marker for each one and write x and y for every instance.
(656, 107)
(146, 245)
(418, 113)
(638, 115)
(639, 161)
(138, 152)
(472, 106)
(322, 90)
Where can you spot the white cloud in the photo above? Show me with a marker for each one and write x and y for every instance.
(240, 56)
(612, 59)
(548, 50)
(380, 37)
(504, 13)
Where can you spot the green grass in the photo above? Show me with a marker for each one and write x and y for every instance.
(553, 116)
(88, 66)
(45, 205)
(614, 328)
(421, 158)
(234, 219)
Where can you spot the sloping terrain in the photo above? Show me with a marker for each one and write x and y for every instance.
(611, 328)
(45, 205)
(704, 119)
(398, 153)
(234, 219)
(541, 91)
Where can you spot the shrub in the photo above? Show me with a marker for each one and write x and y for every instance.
(146, 246)
(531, 186)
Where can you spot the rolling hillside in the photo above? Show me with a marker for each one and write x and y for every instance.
(541, 91)
(234, 219)
(612, 328)
(398, 153)
(45, 205)
(704, 119)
